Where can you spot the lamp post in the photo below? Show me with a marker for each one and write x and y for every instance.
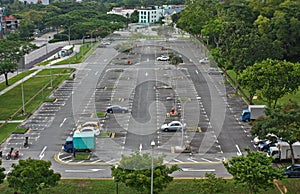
(152, 165)
(92, 36)
(83, 45)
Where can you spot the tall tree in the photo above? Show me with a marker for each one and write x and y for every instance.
(273, 78)
(284, 122)
(10, 53)
(135, 172)
(254, 170)
(30, 176)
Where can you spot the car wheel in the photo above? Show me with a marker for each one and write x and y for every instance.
(123, 111)
(166, 130)
(110, 111)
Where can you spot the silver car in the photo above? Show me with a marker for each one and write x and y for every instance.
(173, 126)
(116, 109)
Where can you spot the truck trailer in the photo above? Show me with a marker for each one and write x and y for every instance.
(282, 151)
(81, 142)
(253, 112)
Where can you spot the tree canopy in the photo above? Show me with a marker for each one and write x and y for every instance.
(283, 121)
(272, 79)
(254, 170)
(30, 176)
(10, 53)
(135, 172)
(2, 175)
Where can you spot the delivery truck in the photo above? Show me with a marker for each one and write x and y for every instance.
(253, 112)
(81, 142)
(282, 151)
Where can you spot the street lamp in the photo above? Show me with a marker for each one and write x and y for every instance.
(152, 165)
(83, 45)
(92, 36)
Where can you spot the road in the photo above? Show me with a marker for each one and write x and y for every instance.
(150, 89)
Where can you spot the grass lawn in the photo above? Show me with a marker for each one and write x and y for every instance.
(7, 129)
(11, 101)
(14, 79)
(177, 186)
(79, 57)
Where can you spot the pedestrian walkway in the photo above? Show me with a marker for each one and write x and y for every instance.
(39, 68)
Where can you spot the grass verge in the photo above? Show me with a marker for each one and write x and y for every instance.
(11, 101)
(7, 129)
(177, 186)
(14, 79)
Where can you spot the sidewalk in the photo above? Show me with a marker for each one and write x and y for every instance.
(39, 68)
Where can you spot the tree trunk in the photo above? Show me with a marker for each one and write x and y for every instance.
(236, 82)
(292, 153)
(6, 79)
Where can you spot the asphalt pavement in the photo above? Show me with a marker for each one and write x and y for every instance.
(150, 89)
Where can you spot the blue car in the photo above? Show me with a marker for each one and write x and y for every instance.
(293, 171)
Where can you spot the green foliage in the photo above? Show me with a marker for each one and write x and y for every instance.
(2, 175)
(254, 170)
(30, 176)
(283, 122)
(10, 53)
(135, 172)
(211, 184)
(272, 84)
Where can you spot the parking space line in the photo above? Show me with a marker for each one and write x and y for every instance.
(206, 160)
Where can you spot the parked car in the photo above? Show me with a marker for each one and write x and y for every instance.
(90, 129)
(94, 124)
(269, 136)
(116, 109)
(214, 71)
(293, 171)
(163, 58)
(266, 144)
(173, 126)
(106, 43)
(204, 60)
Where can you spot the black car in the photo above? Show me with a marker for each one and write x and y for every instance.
(116, 109)
(293, 171)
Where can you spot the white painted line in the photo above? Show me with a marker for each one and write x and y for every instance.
(177, 160)
(197, 170)
(80, 162)
(62, 122)
(239, 153)
(67, 157)
(96, 73)
(196, 71)
(95, 161)
(42, 154)
(206, 160)
(190, 159)
(219, 159)
(111, 161)
(87, 170)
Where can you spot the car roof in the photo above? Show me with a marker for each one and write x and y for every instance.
(176, 122)
(88, 128)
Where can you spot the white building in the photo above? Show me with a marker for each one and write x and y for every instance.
(121, 11)
(151, 15)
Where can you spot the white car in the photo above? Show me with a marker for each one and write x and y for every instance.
(204, 60)
(173, 126)
(88, 130)
(163, 58)
(214, 71)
